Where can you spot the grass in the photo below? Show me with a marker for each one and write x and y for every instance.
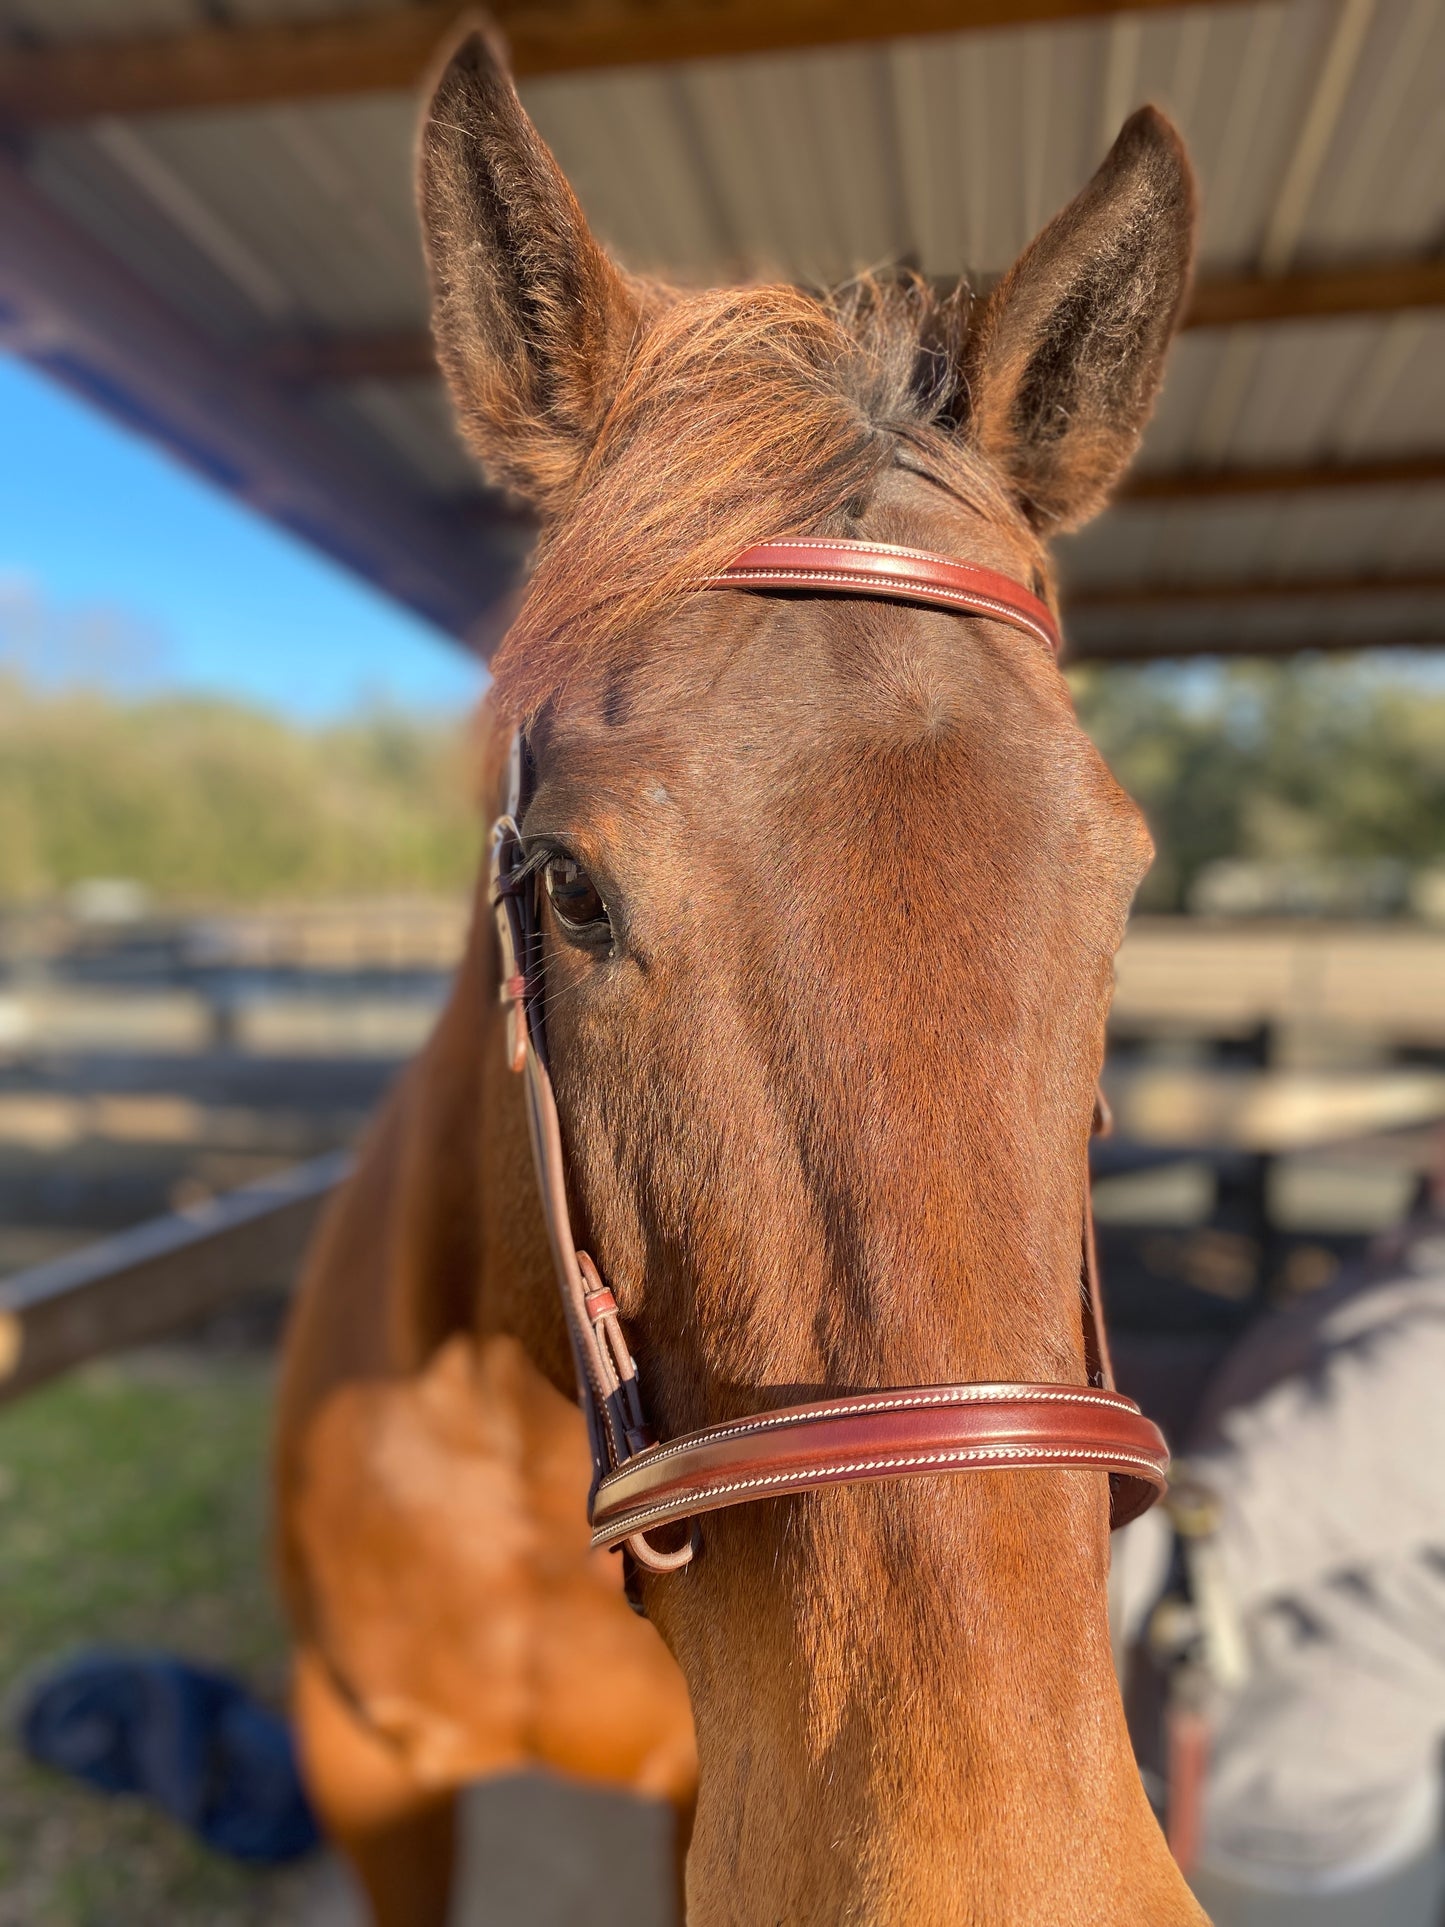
(132, 1510)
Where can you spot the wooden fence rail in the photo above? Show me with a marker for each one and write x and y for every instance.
(158, 1277)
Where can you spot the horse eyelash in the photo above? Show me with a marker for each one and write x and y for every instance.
(537, 860)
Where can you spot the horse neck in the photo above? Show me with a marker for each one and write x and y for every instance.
(922, 1723)
(904, 1693)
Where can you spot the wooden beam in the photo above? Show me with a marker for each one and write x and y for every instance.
(407, 354)
(1134, 642)
(1155, 648)
(307, 361)
(1378, 287)
(160, 1277)
(1126, 596)
(393, 49)
(75, 312)
(1203, 485)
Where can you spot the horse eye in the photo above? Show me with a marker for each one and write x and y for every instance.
(575, 898)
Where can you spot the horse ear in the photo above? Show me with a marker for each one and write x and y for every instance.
(533, 323)
(1064, 363)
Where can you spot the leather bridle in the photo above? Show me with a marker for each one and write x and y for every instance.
(639, 1485)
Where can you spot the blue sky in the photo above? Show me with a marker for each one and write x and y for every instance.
(118, 566)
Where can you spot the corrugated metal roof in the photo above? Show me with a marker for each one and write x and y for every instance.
(1314, 124)
(957, 148)
(280, 216)
(1351, 533)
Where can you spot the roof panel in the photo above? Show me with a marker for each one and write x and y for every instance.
(1381, 187)
(621, 143)
(959, 145)
(802, 147)
(1399, 400)
(1301, 392)
(315, 208)
(282, 217)
(124, 219)
(956, 147)
(413, 421)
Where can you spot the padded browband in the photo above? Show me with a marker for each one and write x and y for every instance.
(880, 569)
(889, 1435)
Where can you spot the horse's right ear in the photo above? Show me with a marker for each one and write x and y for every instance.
(1065, 360)
(533, 323)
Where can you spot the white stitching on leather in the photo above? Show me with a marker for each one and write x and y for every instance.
(867, 548)
(966, 598)
(1029, 1457)
(897, 1402)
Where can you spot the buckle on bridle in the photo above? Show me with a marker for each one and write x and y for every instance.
(631, 1432)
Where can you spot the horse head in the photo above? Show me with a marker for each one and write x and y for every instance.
(832, 889)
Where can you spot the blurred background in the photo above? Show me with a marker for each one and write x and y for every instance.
(245, 569)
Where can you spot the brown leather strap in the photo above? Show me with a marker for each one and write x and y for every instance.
(1098, 1362)
(928, 1429)
(881, 569)
(606, 1373)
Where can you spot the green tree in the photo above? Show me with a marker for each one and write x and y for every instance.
(1296, 758)
(210, 801)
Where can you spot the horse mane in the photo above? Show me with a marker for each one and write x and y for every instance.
(744, 413)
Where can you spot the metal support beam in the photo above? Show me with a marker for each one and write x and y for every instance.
(393, 49)
(81, 316)
(309, 361)
(160, 1277)
(1093, 640)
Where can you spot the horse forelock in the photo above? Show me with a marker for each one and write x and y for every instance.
(745, 414)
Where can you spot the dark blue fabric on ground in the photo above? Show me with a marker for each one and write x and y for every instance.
(192, 1741)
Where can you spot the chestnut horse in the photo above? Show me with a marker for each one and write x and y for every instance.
(835, 891)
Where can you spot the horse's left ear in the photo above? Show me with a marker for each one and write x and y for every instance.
(1065, 361)
(533, 323)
